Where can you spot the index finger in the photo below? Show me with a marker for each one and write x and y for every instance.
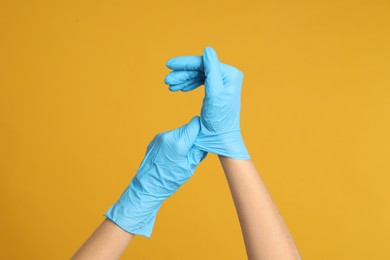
(186, 63)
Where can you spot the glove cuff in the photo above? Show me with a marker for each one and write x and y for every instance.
(129, 216)
(229, 144)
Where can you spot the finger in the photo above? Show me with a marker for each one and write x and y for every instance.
(185, 63)
(190, 131)
(187, 85)
(184, 137)
(213, 82)
(176, 77)
(193, 85)
(197, 155)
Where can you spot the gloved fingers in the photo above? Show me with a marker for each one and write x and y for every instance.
(179, 76)
(186, 135)
(193, 63)
(212, 69)
(197, 155)
(193, 85)
(188, 85)
(185, 63)
(190, 131)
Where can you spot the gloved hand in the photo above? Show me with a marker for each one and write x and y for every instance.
(169, 162)
(220, 115)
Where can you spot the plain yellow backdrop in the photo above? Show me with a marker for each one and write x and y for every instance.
(82, 94)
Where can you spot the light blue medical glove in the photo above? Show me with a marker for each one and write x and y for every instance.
(220, 115)
(169, 162)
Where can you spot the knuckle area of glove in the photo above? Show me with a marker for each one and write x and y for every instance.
(173, 147)
(234, 74)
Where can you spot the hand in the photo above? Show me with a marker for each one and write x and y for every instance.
(169, 162)
(220, 115)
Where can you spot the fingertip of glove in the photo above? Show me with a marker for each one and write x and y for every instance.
(209, 51)
(210, 62)
(195, 123)
(196, 120)
(166, 80)
(173, 88)
(168, 63)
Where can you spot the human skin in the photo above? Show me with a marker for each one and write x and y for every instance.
(108, 241)
(265, 234)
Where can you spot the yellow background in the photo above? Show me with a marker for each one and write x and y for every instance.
(82, 94)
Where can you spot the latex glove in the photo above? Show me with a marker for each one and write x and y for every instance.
(169, 162)
(220, 115)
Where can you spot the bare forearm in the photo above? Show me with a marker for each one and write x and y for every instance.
(265, 234)
(109, 241)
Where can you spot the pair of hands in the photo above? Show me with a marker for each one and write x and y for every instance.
(172, 156)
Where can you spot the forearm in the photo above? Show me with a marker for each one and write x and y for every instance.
(108, 241)
(265, 234)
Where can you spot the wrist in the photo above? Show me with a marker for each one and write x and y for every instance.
(229, 144)
(134, 212)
